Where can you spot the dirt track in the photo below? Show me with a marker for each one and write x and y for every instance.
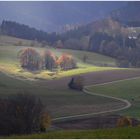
(125, 104)
(93, 78)
(99, 78)
(96, 78)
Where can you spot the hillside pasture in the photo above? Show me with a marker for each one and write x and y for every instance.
(59, 103)
(92, 58)
(9, 41)
(128, 89)
(9, 63)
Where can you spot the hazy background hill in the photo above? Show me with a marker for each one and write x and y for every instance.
(129, 14)
(56, 16)
(116, 34)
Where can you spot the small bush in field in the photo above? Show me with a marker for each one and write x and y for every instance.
(76, 83)
(45, 121)
(124, 121)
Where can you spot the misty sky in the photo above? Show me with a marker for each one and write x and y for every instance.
(49, 16)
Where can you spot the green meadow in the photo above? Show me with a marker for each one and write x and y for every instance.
(9, 63)
(129, 89)
(115, 133)
(60, 102)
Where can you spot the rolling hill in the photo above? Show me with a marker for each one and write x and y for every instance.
(10, 63)
(128, 14)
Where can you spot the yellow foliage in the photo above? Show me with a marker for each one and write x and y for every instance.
(45, 120)
(124, 121)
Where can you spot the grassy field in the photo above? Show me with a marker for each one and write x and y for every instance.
(62, 102)
(115, 133)
(92, 58)
(8, 41)
(9, 62)
(129, 90)
(65, 102)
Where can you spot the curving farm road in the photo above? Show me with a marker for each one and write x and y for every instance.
(94, 79)
(85, 90)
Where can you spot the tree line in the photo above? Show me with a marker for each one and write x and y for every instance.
(25, 32)
(106, 37)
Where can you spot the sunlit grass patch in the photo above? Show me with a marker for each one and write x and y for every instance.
(15, 69)
(9, 63)
(84, 70)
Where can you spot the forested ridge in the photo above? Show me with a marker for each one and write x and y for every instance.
(106, 36)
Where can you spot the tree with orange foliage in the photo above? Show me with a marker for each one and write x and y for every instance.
(49, 60)
(124, 121)
(30, 59)
(66, 62)
(45, 121)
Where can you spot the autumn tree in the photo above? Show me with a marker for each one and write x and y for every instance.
(30, 59)
(124, 121)
(66, 62)
(49, 60)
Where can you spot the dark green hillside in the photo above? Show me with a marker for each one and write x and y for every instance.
(18, 30)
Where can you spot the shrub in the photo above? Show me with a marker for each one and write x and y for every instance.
(30, 59)
(21, 115)
(59, 44)
(19, 43)
(121, 62)
(124, 121)
(43, 44)
(76, 83)
(45, 121)
(66, 62)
